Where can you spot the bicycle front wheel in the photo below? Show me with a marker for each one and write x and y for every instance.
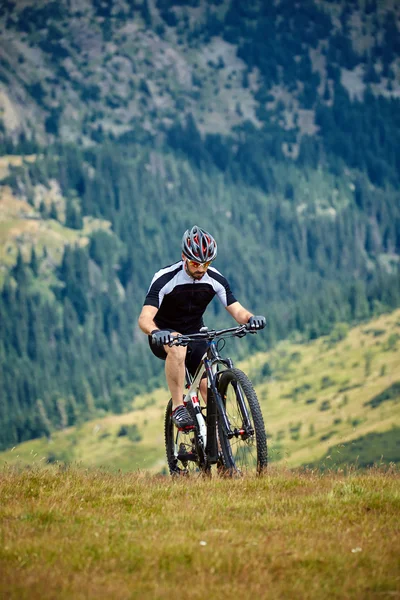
(246, 449)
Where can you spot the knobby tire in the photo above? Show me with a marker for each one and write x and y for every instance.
(239, 454)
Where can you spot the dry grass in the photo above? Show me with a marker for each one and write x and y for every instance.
(78, 533)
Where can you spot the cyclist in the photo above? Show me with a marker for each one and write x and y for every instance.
(175, 303)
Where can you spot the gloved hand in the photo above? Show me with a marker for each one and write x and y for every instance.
(161, 337)
(254, 323)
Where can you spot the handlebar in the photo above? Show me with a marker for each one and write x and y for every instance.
(210, 334)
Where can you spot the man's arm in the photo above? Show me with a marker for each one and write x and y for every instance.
(239, 313)
(146, 319)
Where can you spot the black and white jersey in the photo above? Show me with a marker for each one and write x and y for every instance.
(181, 300)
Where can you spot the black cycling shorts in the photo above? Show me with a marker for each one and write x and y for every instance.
(194, 354)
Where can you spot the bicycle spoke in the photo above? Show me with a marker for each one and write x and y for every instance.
(185, 451)
(182, 451)
(243, 444)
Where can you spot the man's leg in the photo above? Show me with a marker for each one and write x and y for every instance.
(203, 389)
(175, 375)
(196, 351)
(175, 372)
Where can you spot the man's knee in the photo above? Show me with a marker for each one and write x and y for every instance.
(176, 354)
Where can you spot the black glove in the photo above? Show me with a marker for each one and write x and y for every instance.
(159, 338)
(256, 323)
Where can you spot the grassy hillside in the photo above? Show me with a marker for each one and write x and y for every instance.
(321, 395)
(321, 401)
(88, 534)
(25, 222)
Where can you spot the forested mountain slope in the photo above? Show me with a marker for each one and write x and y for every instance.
(274, 126)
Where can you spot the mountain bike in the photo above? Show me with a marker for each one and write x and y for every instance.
(228, 430)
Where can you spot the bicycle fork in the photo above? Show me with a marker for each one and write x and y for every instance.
(215, 410)
(247, 430)
(212, 445)
(215, 406)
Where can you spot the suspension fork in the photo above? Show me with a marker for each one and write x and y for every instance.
(212, 445)
(243, 409)
(215, 407)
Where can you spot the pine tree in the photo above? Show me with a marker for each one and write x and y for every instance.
(61, 406)
(146, 14)
(34, 266)
(44, 421)
(19, 270)
(73, 217)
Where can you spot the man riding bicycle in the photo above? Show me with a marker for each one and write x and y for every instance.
(175, 303)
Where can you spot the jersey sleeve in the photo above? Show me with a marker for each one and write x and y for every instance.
(153, 295)
(159, 283)
(222, 288)
(226, 297)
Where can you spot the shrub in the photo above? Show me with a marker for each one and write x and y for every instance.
(390, 393)
(326, 381)
(368, 356)
(266, 370)
(325, 405)
(338, 333)
(131, 431)
(327, 436)
(280, 435)
(391, 342)
(295, 430)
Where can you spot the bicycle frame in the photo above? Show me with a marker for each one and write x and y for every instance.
(209, 366)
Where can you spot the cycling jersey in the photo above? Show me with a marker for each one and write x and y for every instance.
(181, 300)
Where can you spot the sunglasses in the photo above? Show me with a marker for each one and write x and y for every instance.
(196, 265)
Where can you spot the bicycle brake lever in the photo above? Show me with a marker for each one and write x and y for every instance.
(241, 334)
(178, 341)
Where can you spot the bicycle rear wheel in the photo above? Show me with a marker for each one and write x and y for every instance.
(247, 449)
(184, 456)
